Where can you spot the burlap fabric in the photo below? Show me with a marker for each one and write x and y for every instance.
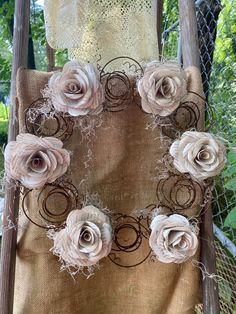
(125, 155)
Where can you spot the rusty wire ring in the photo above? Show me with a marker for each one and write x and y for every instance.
(53, 219)
(116, 260)
(49, 215)
(169, 190)
(133, 246)
(185, 117)
(138, 70)
(120, 246)
(191, 111)
(119, 80)
(150, 209)
(120, 101)
(36, 120)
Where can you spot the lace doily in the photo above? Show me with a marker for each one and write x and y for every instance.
(97, 31)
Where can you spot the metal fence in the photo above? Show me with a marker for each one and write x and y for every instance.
(217, 43)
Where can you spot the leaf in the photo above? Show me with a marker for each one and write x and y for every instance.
(231, 157)
(231, 184)
(233, 28)
(230, 220)
(229, 171)
(225, 291)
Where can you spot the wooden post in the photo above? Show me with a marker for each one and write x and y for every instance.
(189, 34)
(179, 52)
(159, 25)
(51, 57)
(10, 213)
(208, 258)
(190, 50)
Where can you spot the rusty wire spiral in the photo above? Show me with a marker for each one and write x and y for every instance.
(177, 193)
(42, 120)
(131, 234)
(119, 84)
(48, 216)
(184, 118)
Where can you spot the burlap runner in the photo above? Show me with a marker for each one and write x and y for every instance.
(125, 155)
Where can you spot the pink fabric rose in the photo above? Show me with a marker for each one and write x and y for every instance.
(162, 87)
(86, 239)
(198, 153)
(173, 239)
(77, 89)
(35, 161)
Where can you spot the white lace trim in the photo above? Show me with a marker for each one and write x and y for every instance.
(98, 31)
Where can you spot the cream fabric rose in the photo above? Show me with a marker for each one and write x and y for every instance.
(77, 89)
(162, 87)
(173, 239)
(198, 153)
(86, 238)
(35, 161)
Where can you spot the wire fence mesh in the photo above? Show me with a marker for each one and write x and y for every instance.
(217, 43)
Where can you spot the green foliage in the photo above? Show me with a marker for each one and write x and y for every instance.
(230, 220)
(3, 137)
(6, 27)
(4, 112)
(231, 184)
(222, 101)
(223, 85)
(61, 57)
(170, 16)
(231, 157)
(229, 175)
(230, 172)
(37, 25)
(39, 39)
(225, 291)
(226, 41)
(6, 21)
(38, 36)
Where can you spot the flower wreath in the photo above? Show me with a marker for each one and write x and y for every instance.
(87, 234)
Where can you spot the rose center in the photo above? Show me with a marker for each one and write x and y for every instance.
(37, 164)
(166, 88)
(75, 88)
(176, 240)
(86, 236)
(203, 155)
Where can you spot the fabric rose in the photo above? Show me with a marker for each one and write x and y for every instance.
(162, 87)
(198, 153)
(77, 89)
(173, 239)
(86, 238)
(35, 161)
